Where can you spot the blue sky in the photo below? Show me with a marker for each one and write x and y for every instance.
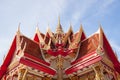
(89, 13)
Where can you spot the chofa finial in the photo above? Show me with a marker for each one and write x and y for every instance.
(19, 27)
(59, 20)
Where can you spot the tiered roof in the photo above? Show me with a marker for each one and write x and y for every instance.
(37, 53)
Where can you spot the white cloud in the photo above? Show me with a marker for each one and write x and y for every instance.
(104, 7)
(87, 9)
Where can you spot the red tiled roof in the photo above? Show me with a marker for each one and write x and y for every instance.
(89, 45)
(84, 63)
(37, 66)
(32, 47)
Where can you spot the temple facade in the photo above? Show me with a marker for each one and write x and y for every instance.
(60, 55)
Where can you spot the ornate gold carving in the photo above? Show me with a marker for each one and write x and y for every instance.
(75, 77)
(101, 36)
(46, 78)
(67, 36)
(60, 66)
(60, 61)
(77, 39)
(18, 38)
(97, 75)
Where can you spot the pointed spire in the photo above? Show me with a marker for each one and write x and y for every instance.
(77, 38)
(39, 35)
(100, 36)
(80, 31)
(81, 28)
(18, 38)
(67, 35)
(70, 27)
(59, 27)
(18, 31)
(51, 35)
(101, 28)
(58, 20)
(37, 28)
(48, 29)
(100, 46)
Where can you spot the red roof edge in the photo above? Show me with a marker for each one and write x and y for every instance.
(111, 53)
(8, 58)
(37, 66)
(87, 55)
(36, 59)
(83, 64)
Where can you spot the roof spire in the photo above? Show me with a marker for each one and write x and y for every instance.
(40, 36)
(18, 31)
(80, 32)
(48, 28)
(37, 29)
(70, 26)
(58, 20)
(59, 27)
(18, 37)
(101, 35)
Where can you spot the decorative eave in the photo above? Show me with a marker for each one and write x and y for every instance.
(37, 60)
(37, 66)
(83, 62)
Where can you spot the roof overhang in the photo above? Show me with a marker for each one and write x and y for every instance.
(37, 66)
(83, 62)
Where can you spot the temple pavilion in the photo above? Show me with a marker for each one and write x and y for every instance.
(60, 55)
